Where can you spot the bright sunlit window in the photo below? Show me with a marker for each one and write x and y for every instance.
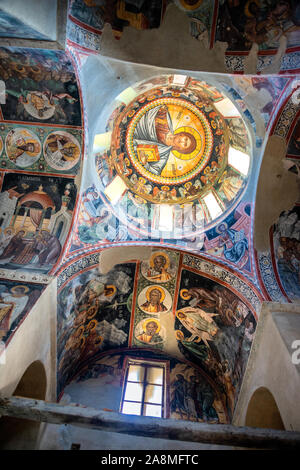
(212, 205)
(144, 389)
(239, 160)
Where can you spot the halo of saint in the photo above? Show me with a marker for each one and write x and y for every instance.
(155, 300)
(159, 267)
(23, 147)
(150, 331)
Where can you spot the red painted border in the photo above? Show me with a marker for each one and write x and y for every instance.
(85, 26)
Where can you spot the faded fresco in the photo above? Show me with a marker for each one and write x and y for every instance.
(93, 316)
(214, 328)
(40, 87)
(242, 23)
(12, 27)
(171, 310)
(16, 300)
(35, 218)
(189, 394)
(193, 397)
(139, 14)
(264, 92)
(293, 150)
(285, 244)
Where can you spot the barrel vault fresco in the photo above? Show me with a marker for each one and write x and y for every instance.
(165, 304)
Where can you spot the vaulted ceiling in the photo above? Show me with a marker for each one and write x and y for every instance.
(123, 179)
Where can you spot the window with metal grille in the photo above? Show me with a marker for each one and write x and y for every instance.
(144, 389)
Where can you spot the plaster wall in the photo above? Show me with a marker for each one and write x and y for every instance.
(272, 196)
(167, 46)
(35, 340)
(43, 19)
(98, 393)
(270, 364)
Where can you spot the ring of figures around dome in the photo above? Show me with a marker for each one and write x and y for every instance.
(173, 140)
(165, 143)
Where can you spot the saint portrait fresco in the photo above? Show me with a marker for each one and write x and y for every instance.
(155, 300)
(1, 146)
(23, 147)
(61, 150)
(150, 331)
(160, 267)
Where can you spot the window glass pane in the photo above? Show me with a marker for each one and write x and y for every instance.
(212, 205)
(153, 394)
(239, 160)
(134, 391)
(152, 410)
(136, 373)
(155, 375)
(131, 408)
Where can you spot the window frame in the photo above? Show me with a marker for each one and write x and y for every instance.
(146, 363)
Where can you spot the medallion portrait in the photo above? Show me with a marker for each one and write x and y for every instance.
(150, 331)
(160, 267)
(155, 300)
(23, 147)
(61, 150)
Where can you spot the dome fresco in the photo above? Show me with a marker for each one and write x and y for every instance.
(175, 141)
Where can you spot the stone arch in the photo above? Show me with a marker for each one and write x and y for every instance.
(22, 433)
(263, 411)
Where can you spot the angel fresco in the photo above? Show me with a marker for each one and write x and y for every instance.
(199, 323)
(42, 105)
(230, 309)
